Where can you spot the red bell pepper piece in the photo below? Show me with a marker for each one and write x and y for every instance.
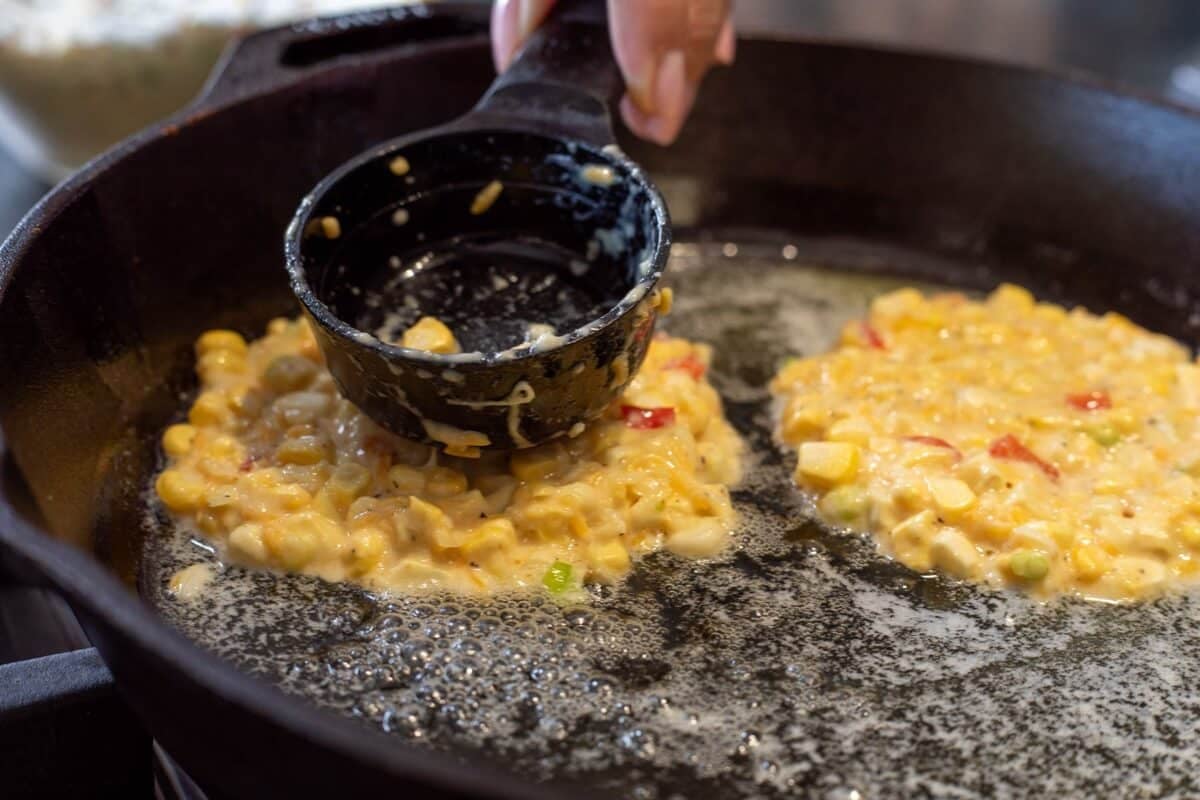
(1007, 446)
(647, 418)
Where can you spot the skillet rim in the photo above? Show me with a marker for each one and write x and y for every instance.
(90, 585)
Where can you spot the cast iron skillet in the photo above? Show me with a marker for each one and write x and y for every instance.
(106, 283)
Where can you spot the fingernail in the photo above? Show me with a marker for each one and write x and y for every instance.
(530, 16)
(726, 48)
(504, 32)
(640, 87)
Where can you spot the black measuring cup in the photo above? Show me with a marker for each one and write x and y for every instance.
(519, 225)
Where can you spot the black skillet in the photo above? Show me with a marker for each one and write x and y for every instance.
(966, 171)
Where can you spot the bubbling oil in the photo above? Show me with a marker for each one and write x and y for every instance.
(800, 662)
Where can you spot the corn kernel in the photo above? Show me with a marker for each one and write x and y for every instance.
(406, 479)
(177, 440)
(217, 340)
(802, 421)
(610, 559)
(180, 491)
(855, 430)
(1012, 298)
(829, 462)
(1090, 562)
(290, 496)
(348, 481)
(1187, 530)
(210, 408)
(367, 547)
(427, 522)
(221, 496)
(489, 536)
(445, 482)
(846, 503)
(952, 552)
(289, 373)
(951, 495)
(246, 540)
(291, 541)
(302, 450)
(1029, 565)
(431, 335)
(535, 464)
(700, 538)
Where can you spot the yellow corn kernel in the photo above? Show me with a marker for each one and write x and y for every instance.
(367, 546)
(1090, 561)
(1124, 420)
(699, 538)
(855, 430)
(487, 537)
(406, 479)
(180, 491)
(399, 166)
(610, 558)
(1187, 530)
(914, 532)
(445, 482)
(210, 408)
(846, 503)
(292, 541)
(324, 504)
(215, 362)
(289, 374)
(348, 481)
(951, 495)
(1012, 298)
(427, 522)
(486, 197)
(828, 462)
(290, 496)
(952, 552)
(224, 447)
(1029, 565)
(535, 464)
(431, 335)
(246, 540)
(802, 421)
(666, 301)
(221, 496)
(216, 340)
(304, 450)
(177, 440)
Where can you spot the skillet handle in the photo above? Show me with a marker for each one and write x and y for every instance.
(258, 61)
(564, 78)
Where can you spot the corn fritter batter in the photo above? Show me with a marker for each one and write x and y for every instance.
(1006, 441)
(277, 469)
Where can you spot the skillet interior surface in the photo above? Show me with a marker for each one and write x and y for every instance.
(806, 661)
(802, 660)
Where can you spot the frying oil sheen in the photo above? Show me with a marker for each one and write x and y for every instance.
(800, 662)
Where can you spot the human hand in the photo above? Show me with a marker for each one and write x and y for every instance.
(663, 47)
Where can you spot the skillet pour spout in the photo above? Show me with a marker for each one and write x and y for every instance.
(519, 225)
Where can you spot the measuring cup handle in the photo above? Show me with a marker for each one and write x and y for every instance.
(563, 79)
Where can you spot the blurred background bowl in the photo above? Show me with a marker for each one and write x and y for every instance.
(77, 76)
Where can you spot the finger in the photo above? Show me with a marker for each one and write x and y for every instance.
(705, 20)
(512, 23)
(726, 49)
(643, 32)
(675, 97)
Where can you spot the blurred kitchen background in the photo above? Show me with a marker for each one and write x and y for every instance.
(78, 75)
